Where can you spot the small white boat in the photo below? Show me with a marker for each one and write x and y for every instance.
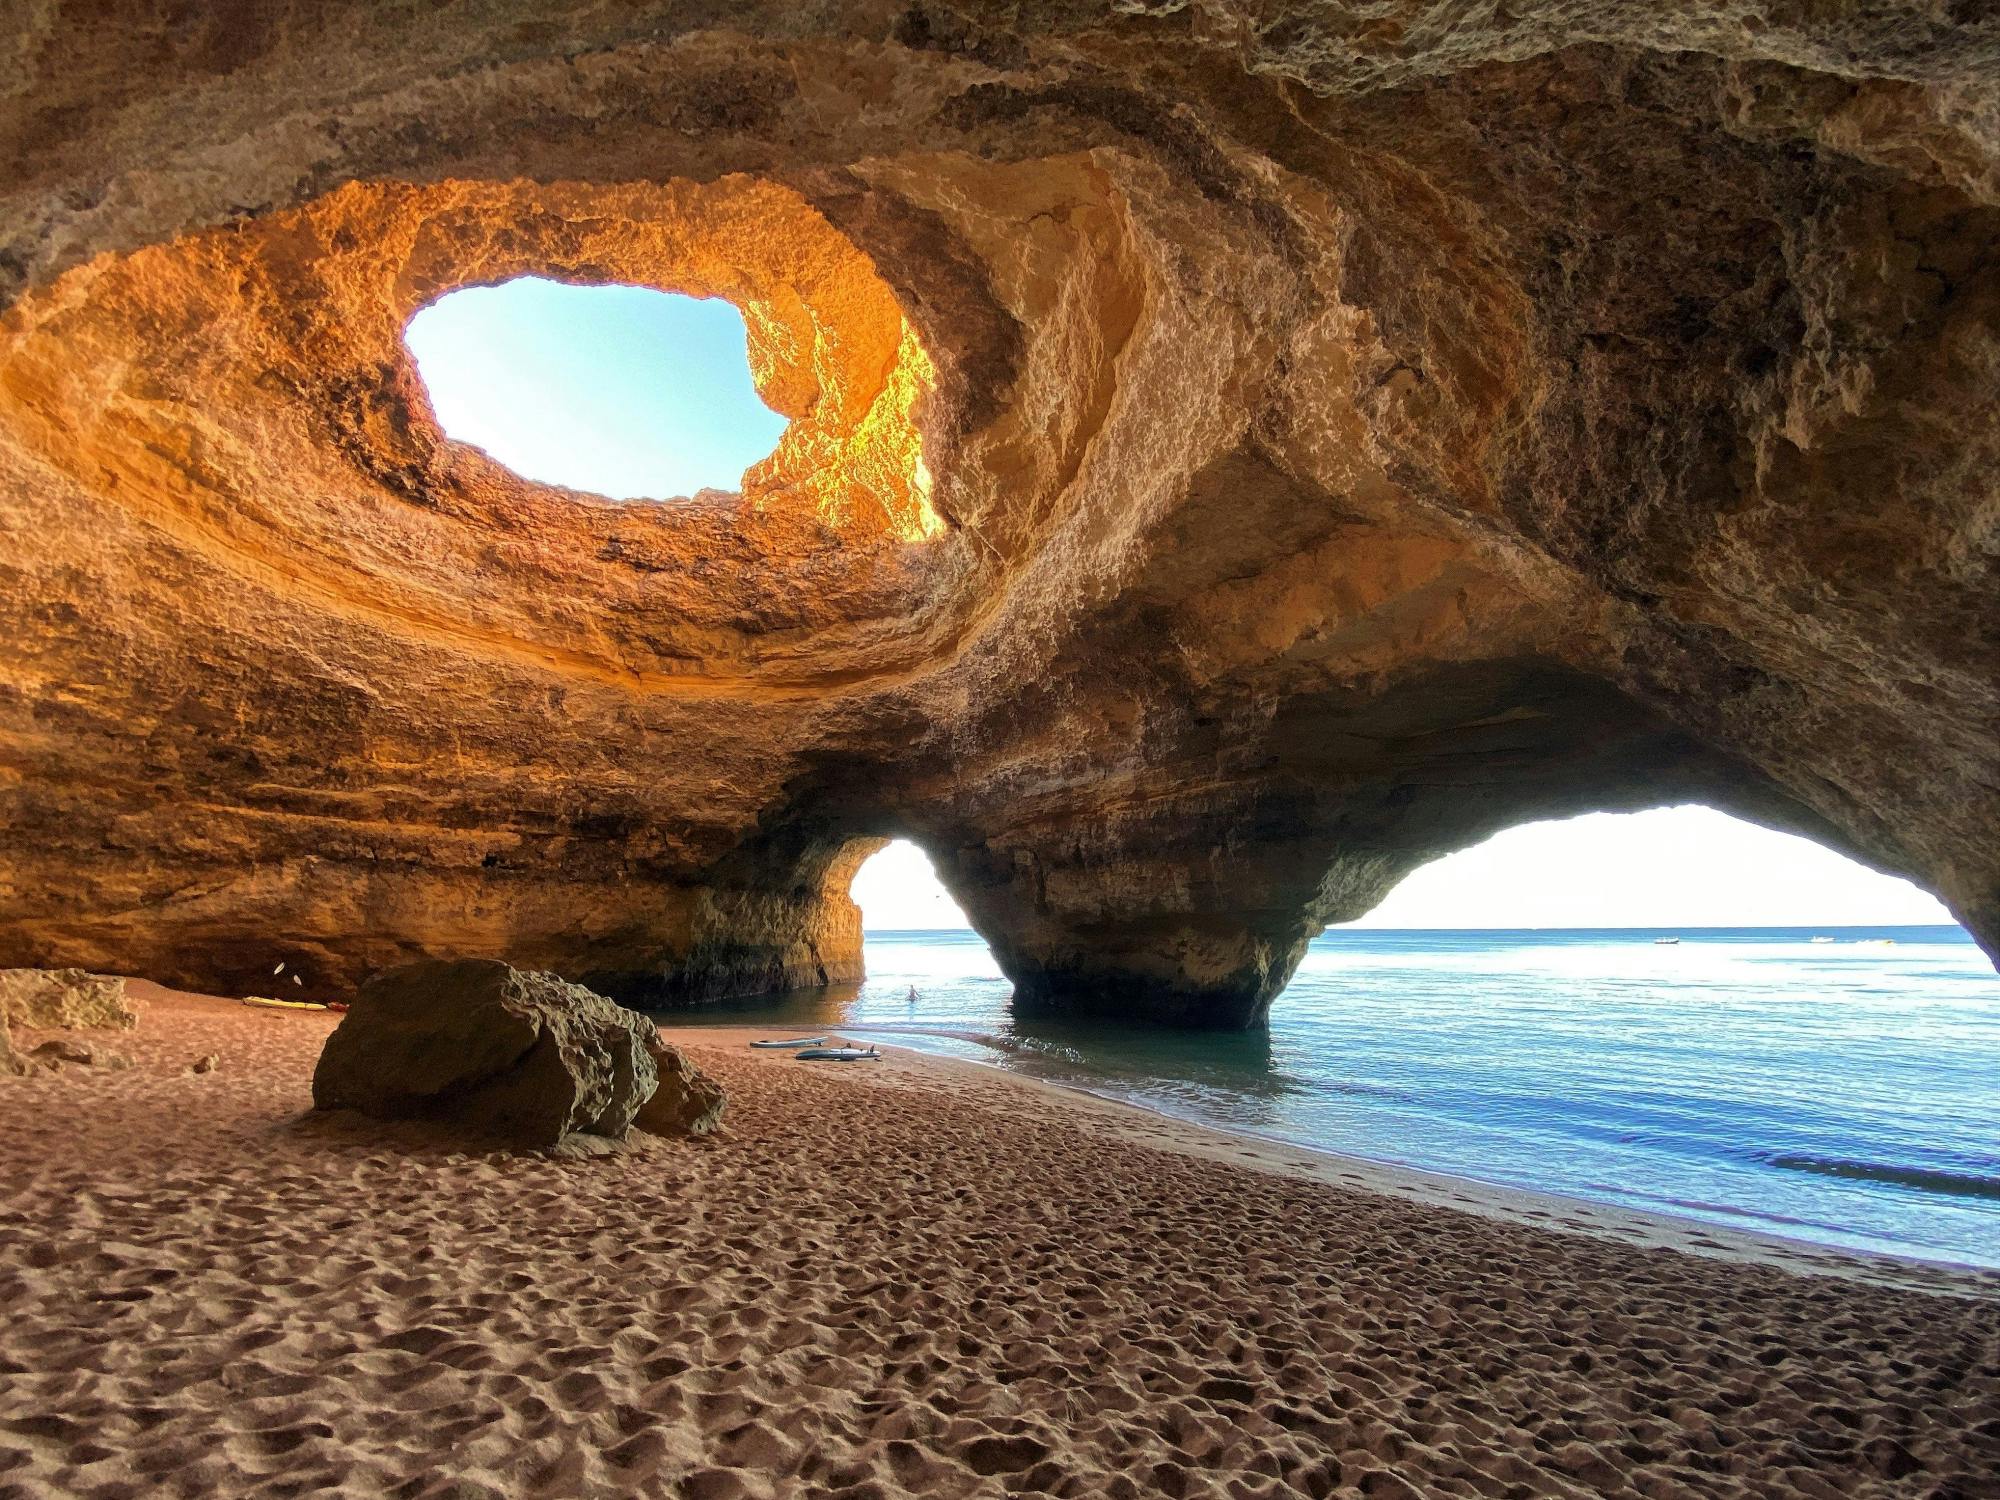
(797, 1041)
(840, 1054)
(1822, 940)
(1665, 942)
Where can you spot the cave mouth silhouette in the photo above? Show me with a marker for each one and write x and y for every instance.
(1683, 866)
(611, 389)
(898, 890)
(1686, 864)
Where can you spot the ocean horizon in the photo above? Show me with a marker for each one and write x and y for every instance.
(1838, 1091)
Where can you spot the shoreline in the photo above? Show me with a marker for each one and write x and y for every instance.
(1681, 1085)
(1534, 1208)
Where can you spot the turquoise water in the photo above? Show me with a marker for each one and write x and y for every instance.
(1844, 1092)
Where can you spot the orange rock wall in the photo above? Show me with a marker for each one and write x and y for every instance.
(1236, 455)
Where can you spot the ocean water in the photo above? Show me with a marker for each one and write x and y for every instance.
(1844, 1092)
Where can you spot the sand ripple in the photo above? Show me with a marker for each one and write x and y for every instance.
(904, 1280)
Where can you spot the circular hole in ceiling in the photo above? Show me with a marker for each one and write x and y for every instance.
(621, 391)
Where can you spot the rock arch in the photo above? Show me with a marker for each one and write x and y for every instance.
(1238, 462)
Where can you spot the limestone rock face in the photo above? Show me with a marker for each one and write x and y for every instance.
(1238, 453)
(687, 1101)
(524, 1056)
(67, 998)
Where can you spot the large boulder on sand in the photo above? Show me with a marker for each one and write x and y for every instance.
(57, 998)
(687, 1102)
(67, 998)
(525, 1056)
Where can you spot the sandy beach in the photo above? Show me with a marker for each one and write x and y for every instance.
(906, 1277)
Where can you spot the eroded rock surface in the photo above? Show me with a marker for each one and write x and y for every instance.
(1238, 454)
(687, 1101)
(62, 999)
(67, 998)
(525, 1057)
(58, 1051)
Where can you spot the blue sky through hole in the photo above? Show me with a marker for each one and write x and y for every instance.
(618, 390)
(1671, 867)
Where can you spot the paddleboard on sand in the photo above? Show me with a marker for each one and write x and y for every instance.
(840, 1054)
(797, 1041)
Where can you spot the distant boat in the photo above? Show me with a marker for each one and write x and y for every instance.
(1822, 940)
(1664, 942)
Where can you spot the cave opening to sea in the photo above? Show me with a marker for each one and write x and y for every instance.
(614, 390)
(1670, 1011)
(1664, 868)
(898, 890)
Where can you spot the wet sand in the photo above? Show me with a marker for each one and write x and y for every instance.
(916, 1276)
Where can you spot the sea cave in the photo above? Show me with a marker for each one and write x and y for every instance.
(1208, 463)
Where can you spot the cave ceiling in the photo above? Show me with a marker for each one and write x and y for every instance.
(1237, 453)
